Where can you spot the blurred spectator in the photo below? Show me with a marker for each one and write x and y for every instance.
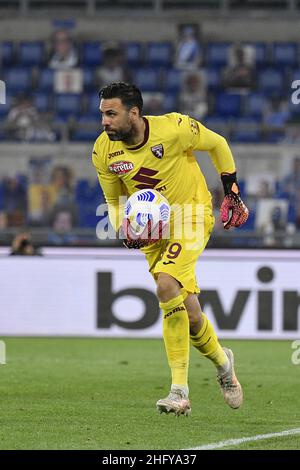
(297, 209)
(14, 201)
(193, 99)
(278, 220)
(62, 224)
(290, 188)
(292, 133)
(272, 215)
(64, 54)
(68, 81)
(113, 68)
(153, 103)
(3, 220)
(240, 74)
(264, 189)
(40, 194)
(25, 123)
(276, 116)
(61, 187)
(40, 204)
(260, 185)
(275, 228)
(291, 183)
(188, 50)
(22, 246)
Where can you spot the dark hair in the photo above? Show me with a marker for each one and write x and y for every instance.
(129, 95)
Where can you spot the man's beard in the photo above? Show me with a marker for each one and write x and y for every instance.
(120, 135)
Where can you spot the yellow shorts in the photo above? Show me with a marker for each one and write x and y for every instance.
(178, 257)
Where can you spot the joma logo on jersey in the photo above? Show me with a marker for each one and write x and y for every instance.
(116, 154)
(121, 167)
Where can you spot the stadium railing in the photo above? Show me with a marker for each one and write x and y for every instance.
(90, 7)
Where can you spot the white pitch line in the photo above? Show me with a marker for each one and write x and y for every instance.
(236, 442)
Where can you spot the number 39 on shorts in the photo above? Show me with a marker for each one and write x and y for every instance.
(174, 250)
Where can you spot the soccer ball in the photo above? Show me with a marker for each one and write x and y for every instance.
(147, 216)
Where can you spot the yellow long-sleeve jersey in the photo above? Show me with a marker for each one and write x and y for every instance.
(163, 161)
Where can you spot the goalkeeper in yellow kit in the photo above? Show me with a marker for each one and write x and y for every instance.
(136, 152)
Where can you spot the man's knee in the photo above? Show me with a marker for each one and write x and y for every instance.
(167, 287)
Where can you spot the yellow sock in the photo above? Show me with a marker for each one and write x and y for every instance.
(176, 338)
(207, 343)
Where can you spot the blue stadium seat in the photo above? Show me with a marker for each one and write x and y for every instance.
(93, 103)
(217, 54)
(68, 104)
(147, 79)
(261, 52)
(89, 120)
(86, 192)
(92, 53)
(159, 54)
(172, 81)
(22, 179)
(133, 53)
(46, 80)
(81, 188)
(254, 104)
(60, 120)
(84, 135)
(42, 101)
(17, 79)
(292, 213)
(31, 53)
(87, 129)
(281, 190)
(285, 54)
(245, 130)
(274, 137)
(270, 81)
(88, 197)
(218, 124)
(213, 78)
(296, 75)
(228, 104)
(6, 53)
(170, 102)
(294, 109)
(88, 79)
(87, 215)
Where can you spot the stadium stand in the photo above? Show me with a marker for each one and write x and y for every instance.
(245, 116)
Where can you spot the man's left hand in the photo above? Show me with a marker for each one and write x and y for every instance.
(233, 211)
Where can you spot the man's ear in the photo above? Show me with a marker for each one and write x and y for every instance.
(134, 112)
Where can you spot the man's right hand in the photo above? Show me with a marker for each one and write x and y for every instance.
(131, 241)
(136, 244)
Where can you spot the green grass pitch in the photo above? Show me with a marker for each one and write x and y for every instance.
(78, 393)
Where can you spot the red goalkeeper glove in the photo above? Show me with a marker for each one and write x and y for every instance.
(131, 241)
(233, 211)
